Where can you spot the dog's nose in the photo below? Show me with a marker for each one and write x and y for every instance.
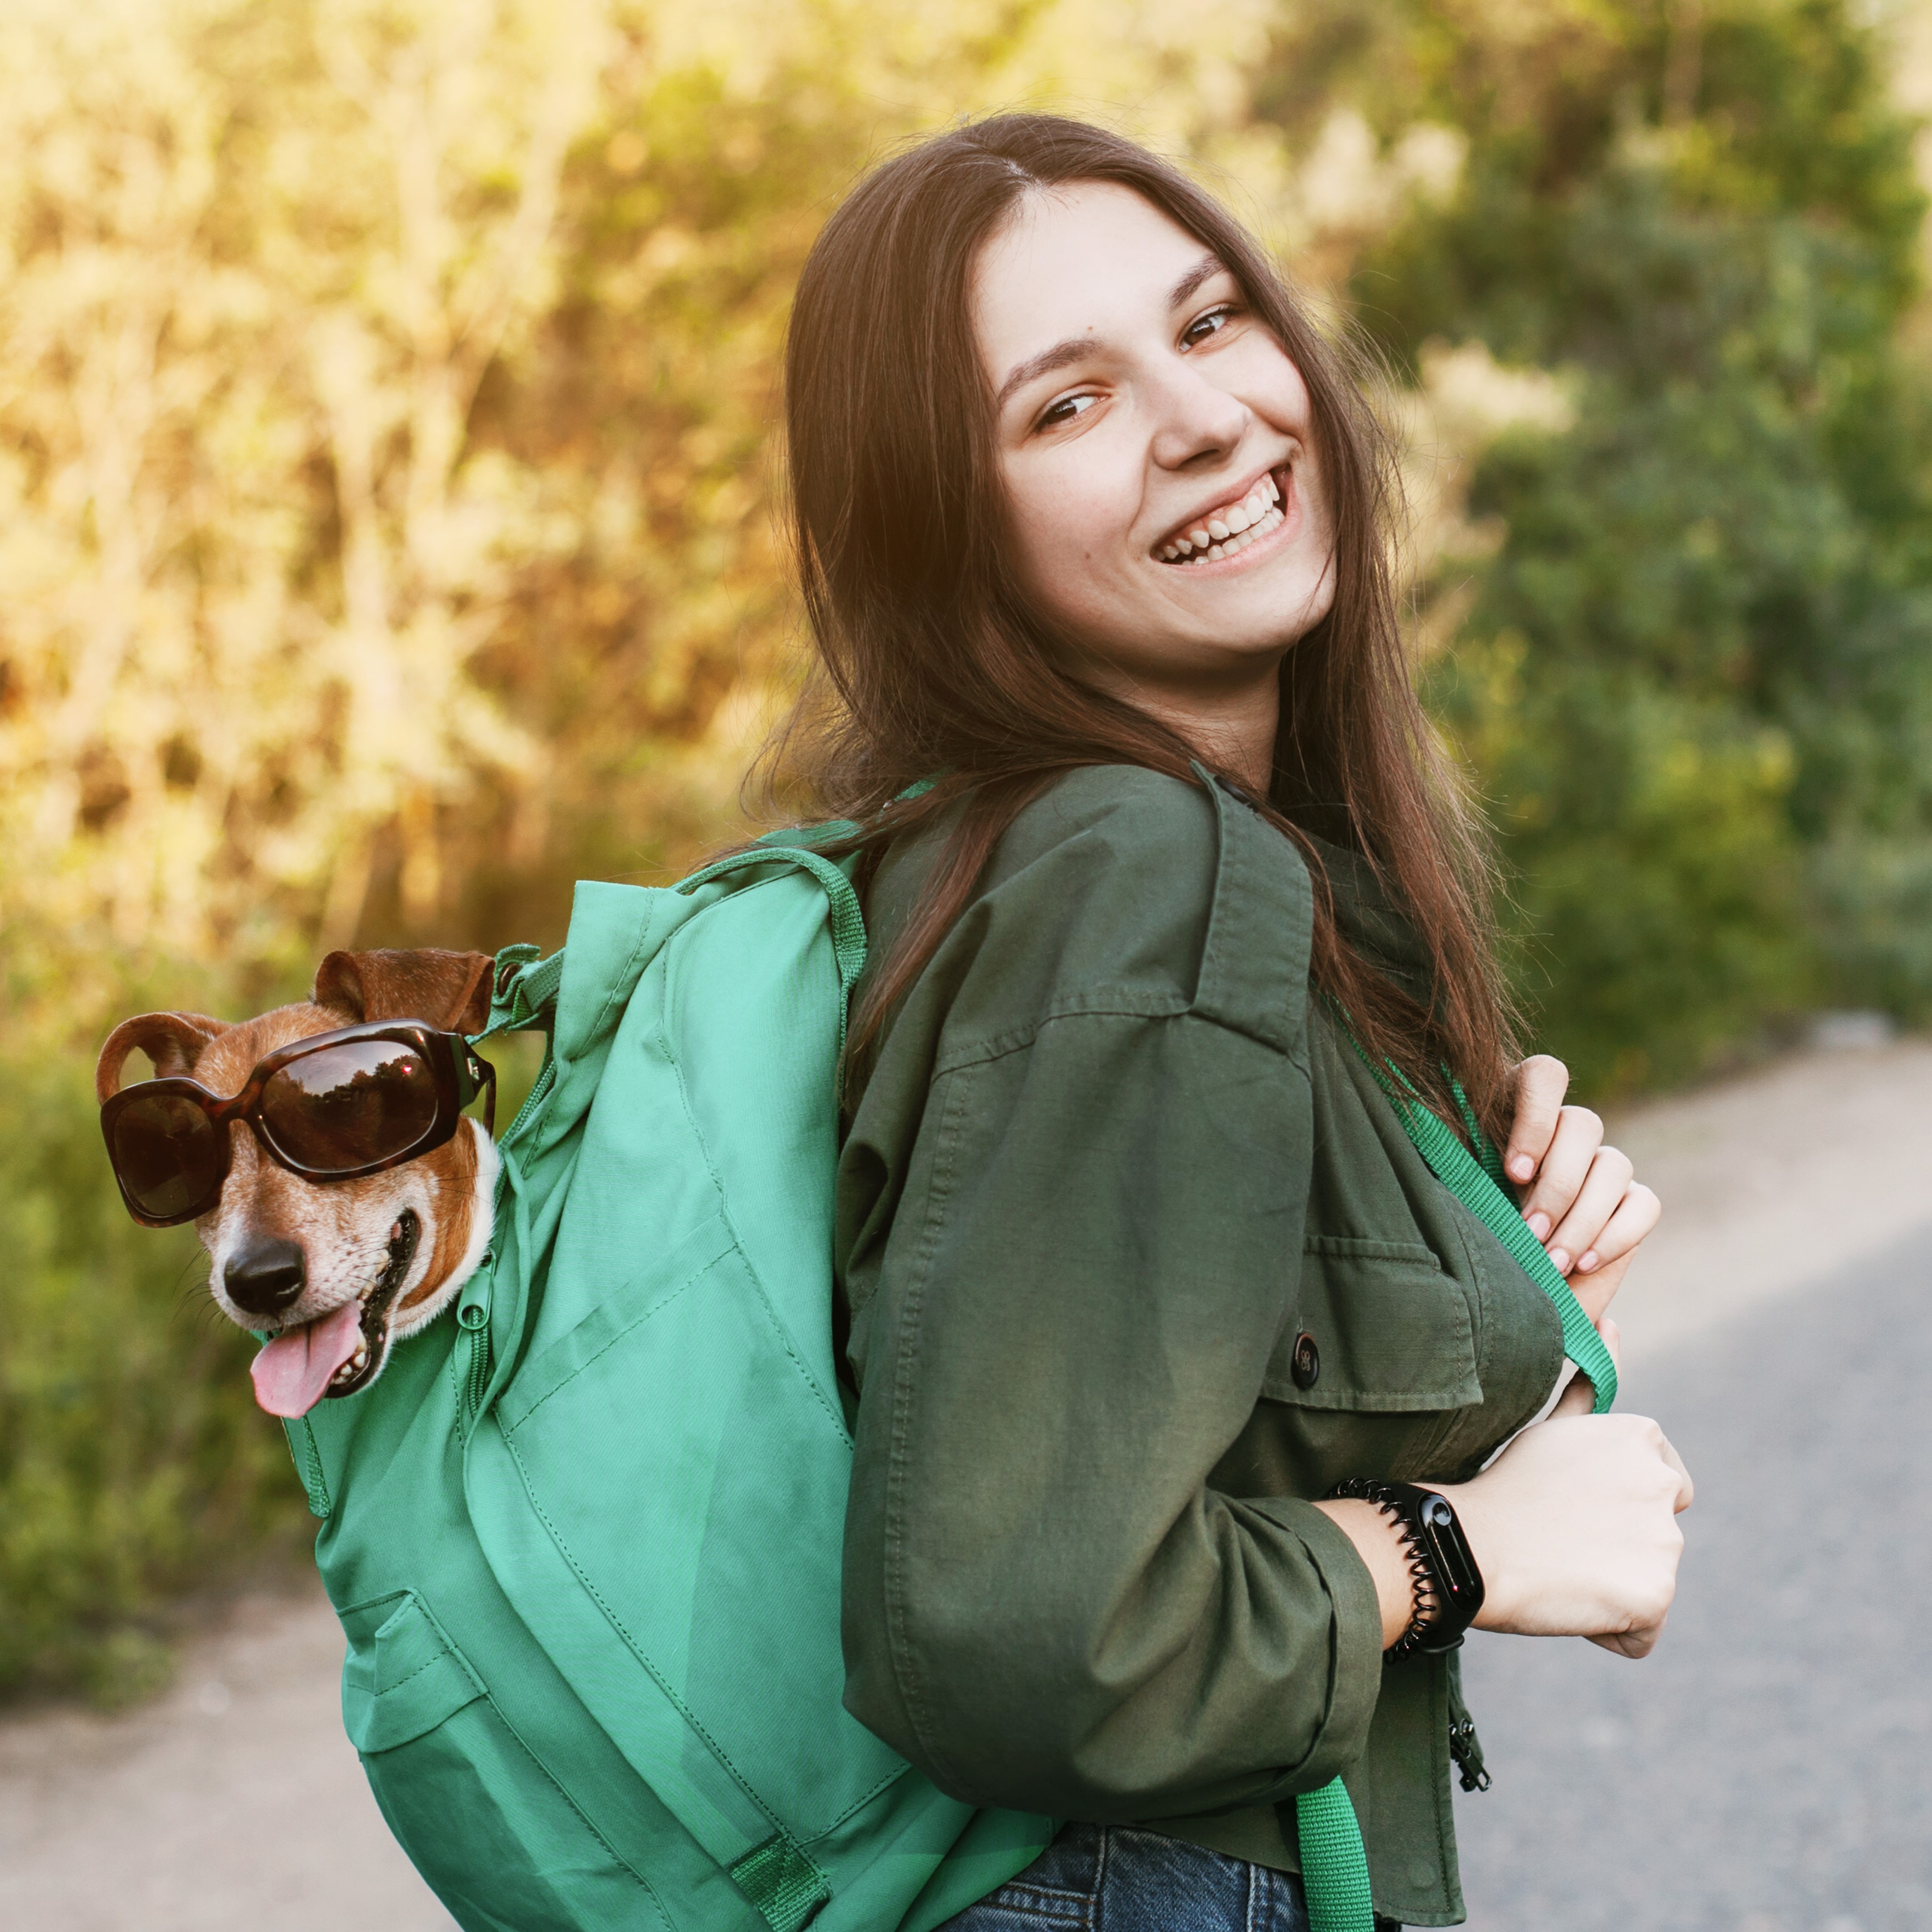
(265, 1279)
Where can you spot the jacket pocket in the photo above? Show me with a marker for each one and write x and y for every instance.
(402, 1676)
(1379, 1328)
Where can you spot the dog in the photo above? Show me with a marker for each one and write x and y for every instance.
(336, 1272)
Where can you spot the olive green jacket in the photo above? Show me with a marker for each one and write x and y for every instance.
(1138, 1260)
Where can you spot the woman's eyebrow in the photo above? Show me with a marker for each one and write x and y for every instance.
(1208, 266)
(1047, 361)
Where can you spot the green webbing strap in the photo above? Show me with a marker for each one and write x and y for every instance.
(1478, 1186)
(1334, 1867)
(782, 1882)
(848, 919)
(523, 989)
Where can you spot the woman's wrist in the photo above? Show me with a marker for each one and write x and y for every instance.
(1379, 1543)
(1470, 1502)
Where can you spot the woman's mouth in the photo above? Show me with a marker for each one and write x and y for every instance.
(1229, 529)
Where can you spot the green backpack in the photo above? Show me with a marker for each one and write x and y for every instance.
(585, 1537)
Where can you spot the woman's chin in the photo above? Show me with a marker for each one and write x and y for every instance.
(1263, 600)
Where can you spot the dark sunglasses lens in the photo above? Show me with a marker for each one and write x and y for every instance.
(168, 1154)
(340, 1108)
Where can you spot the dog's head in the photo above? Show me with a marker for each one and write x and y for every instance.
(339, 1270)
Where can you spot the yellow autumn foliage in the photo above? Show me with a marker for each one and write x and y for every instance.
(387, 393)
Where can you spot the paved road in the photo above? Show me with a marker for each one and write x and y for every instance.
(235, 1804)
(1770, 1769)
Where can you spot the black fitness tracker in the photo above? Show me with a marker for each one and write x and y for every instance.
(1448, 1585)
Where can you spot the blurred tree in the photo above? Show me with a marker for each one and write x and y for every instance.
(260, 259)
(387, 389)
(1695, 676)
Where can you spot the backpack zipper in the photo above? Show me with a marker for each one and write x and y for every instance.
(472, 1316)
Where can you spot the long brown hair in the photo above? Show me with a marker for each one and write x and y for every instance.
(931, 662)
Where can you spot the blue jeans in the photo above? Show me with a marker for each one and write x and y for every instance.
(1111, 1878)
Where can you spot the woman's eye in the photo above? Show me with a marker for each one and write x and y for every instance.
(1065, 410)
(1197, 330)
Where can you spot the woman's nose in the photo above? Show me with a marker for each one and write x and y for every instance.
(1195, 419)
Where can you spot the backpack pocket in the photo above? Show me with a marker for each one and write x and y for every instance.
(402, 1676)
(728, 1468)
(492, 1833)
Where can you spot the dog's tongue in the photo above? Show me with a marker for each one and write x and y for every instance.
(292, 1370)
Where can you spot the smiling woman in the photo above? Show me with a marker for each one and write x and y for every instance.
(1177, 1373)
(1023, 360)
(1166, 430)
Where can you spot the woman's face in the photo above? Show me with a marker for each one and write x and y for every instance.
(1161, 473)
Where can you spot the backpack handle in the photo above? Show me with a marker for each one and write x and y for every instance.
(848, 918)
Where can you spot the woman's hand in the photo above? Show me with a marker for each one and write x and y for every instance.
(1582, 1204)
(1574, 1527)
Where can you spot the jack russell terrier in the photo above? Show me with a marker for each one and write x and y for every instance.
(319, 1150)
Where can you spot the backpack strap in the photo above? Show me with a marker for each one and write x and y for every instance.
(1479, 1185)
(848, 919)
(523, 989)
(524, 985)
(1334, 1867)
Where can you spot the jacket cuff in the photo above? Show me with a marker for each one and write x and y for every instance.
(1355, 1618)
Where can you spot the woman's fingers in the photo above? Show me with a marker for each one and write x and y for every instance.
(1606, 1182)
(1687, 1490)
(1633, 1643)
(1637, 1214)
(1541, 1084)
(1595, 1292)
(1566, 1166)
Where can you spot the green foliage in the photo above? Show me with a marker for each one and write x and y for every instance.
(1712, 751)
(1653, 854)
(134, 1465)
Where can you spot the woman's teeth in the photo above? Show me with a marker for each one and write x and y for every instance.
(1224, 532)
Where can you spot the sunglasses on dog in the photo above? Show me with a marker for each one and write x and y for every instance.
(334, 1107)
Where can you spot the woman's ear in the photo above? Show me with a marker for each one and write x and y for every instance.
(449, 990)
(173, 1041)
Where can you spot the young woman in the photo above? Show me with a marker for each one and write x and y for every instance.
(1139, 1262)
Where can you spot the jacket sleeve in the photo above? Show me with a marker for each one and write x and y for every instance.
(1047, 1604)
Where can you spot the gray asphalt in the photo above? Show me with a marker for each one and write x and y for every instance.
(1769, 1767)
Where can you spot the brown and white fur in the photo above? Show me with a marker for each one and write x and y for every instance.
(285, 1252)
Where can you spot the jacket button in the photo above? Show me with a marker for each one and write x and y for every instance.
(1306, 1366)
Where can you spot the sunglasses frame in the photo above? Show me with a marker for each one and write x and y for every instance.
(461, 1074)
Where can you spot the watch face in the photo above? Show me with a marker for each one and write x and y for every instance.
(1455, 1567)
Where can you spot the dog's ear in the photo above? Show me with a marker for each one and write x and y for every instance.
(450, 990)
(173, 1041)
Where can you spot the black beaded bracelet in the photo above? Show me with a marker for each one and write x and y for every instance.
(1446, 1585)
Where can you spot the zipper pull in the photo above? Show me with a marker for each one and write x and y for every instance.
(473, 1317)
(1464, 1748)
